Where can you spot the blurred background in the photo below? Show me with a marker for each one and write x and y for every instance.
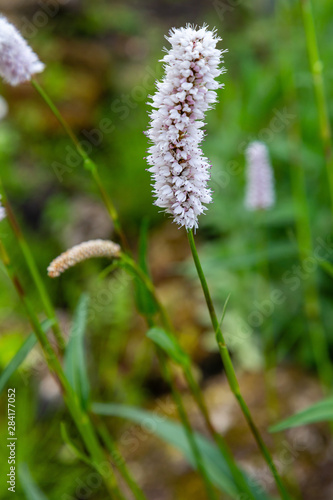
(102, 59)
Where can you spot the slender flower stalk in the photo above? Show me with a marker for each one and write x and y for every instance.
(80, 418)
(259, 197)
(179, 169)
(87, 162)
(30, 261)
(192, 383)
(230, 371)
(81, 252)
(316, 68)
(102, 248)
(312, 309)
(186, 424)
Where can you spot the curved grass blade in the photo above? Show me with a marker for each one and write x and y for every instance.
(30, 488)
(75, 361)
(170, 345)
(79, 454)
(172, 432)
(21, 354)
(319, 412)
(145, 303)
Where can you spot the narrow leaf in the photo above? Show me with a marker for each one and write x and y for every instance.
(224, 309)
(30, 488)
(173, 433)
(145, 302)
(75, 361)
(169, 344)
(21, 354)
(319, 412)
(79, 454)
(327, 266)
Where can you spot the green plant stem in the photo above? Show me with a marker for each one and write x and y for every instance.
(234, 469)
(30, 261)
(230, 371)
(119, 460)
(316, 67)
(87, 162)
(193, 385)
(298, 183)
(268, 328)
(186, 423)
(80, 418)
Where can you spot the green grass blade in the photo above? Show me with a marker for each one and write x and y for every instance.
(21, 354)
(30, 488)
(145, 302)
(170, 345)
(75, 365)
(79, 454)
(172, 433)
(319, 412)
(327, 266)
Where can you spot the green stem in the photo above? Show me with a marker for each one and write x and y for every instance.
(193, 385)
(80, 418)
(30, 261)
(316, 67)
(87, 162)
(119, 461)
(186, 424)
(129, 262)
(234, 469)
(230, 371)
(267, 332)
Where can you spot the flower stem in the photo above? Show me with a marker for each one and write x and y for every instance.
(316, 67)
(193, 385)
(119, 460)
(30, 261)
(230, 371)
(186, 424)
(87, 162)
(80, 418)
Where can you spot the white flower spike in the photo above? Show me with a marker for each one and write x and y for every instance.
(17, 60)
(260, 194)
(179, 169)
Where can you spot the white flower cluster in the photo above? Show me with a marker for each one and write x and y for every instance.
(260, 193)
(187, 91)
(17, 61)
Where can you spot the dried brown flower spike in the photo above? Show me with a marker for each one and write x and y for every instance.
(83, 251)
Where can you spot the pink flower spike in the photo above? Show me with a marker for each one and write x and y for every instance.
(260, 194)
(179, 170)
